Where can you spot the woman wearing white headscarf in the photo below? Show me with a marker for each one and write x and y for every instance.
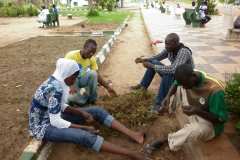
(51, 119)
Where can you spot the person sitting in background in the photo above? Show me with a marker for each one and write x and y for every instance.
(42, 16)
(179, 11)
(203, 9)
(85, 88)
(51, 119)
(202, 100)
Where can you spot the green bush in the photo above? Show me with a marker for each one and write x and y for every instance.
(107, 4)
(228, 2)
(31, 10)
(3, 12)
(232, 93)
(212, 7)
(1, 4)
(93, 12)
(14, 10)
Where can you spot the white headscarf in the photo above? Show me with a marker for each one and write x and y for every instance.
(64, 69)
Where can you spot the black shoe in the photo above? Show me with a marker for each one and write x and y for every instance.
(149, 148)
(137, 87)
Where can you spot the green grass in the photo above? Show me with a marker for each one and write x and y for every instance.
(76, 12)
(185, 1)
(103, 18)
(109, 17)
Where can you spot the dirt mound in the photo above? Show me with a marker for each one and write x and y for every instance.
(131, 109)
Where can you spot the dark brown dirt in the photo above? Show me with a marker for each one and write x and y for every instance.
(132, 110)
(86, 27)
(23, 66)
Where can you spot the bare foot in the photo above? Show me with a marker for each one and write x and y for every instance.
(139, 137)
(139, 156)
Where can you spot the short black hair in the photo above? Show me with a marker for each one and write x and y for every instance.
(173, 37)
(88, 42)
(183, 72)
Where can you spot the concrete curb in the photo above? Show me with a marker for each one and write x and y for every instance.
(38, 150)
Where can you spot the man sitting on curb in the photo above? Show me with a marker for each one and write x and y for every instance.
(85, 88)
(177, 53)
(203, 101)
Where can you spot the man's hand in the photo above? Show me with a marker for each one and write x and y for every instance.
(190, 110)
(148, 65)
(156, 42)
(166, 101)
(141, 59)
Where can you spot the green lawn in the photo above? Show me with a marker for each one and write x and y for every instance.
(185, 1)
(104, 16)
(110, 17)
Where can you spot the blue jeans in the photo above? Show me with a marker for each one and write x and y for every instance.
(166, 82)
(80, 136)
(87, 80)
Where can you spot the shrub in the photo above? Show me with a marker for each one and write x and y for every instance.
(232, 93)
(14, 10)
(92, 12)
(107, 4)
(211, 7)
(31, 10)
(228, 2)
(1, 4)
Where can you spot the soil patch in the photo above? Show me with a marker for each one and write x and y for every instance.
(23, 67)
(86, 27)
(132, 110)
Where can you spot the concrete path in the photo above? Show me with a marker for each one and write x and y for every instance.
(16, 29)
(211, 53)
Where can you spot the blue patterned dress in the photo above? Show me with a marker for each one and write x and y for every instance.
(46, 100)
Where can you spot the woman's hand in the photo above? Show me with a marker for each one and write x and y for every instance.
(88, 117)
(90, 129)
(72, 90)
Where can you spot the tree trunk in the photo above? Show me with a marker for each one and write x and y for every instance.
(121, 3)
(90, 3)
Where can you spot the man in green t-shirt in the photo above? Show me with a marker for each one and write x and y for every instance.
(202, 99)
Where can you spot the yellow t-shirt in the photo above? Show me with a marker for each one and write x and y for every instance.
(84, 63)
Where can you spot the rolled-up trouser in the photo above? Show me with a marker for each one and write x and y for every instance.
(165, 84)
(87, 80)
(80, 136)
(198, 129)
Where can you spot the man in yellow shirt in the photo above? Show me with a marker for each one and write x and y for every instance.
(85, 88)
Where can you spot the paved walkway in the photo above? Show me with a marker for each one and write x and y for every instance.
(16, 29)
(211, 53)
